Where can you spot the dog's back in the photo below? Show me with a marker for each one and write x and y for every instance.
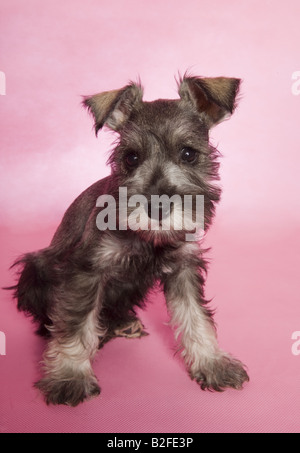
(39, 271)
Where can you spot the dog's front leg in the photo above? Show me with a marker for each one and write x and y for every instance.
(207, 363)
(68, 374)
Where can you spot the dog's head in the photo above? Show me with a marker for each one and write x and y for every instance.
(163, 152)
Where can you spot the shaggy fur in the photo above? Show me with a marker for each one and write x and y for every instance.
(85, 287)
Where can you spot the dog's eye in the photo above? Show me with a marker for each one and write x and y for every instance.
(188, 155)
(132, 159)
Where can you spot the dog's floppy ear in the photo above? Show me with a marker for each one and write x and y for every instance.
(113, 108)
(213, 97)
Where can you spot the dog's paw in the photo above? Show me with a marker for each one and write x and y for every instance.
(133, 329)
(70, 391)
(221, 373)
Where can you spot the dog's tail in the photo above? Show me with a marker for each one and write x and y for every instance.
(34, 288)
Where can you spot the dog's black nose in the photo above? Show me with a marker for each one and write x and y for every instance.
(157, 211)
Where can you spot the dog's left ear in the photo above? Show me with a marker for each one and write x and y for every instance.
(113, 108)
(214, 98)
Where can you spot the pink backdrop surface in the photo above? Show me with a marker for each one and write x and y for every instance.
(51, 53)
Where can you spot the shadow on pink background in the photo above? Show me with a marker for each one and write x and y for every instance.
(54, 52)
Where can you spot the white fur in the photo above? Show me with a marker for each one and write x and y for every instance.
(74, 355)
(198, 341)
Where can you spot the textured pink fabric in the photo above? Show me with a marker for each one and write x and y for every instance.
(53, 52)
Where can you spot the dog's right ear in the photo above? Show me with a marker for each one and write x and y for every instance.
(113, 108)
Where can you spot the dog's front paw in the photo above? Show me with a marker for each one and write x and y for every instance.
(69, 391)
(220, 373)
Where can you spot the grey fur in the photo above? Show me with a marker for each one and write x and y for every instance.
(83, 289)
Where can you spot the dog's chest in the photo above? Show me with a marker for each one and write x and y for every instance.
(127, 256)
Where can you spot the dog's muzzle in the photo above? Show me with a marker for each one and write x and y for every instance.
(158, 211)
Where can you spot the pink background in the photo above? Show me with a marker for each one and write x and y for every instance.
(52, 52)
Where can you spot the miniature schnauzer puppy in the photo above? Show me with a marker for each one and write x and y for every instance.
(85, 287)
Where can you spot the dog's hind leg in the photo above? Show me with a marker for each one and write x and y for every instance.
(131, 329)
(121, 298)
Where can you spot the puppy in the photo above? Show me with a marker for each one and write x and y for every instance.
(135, 227)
